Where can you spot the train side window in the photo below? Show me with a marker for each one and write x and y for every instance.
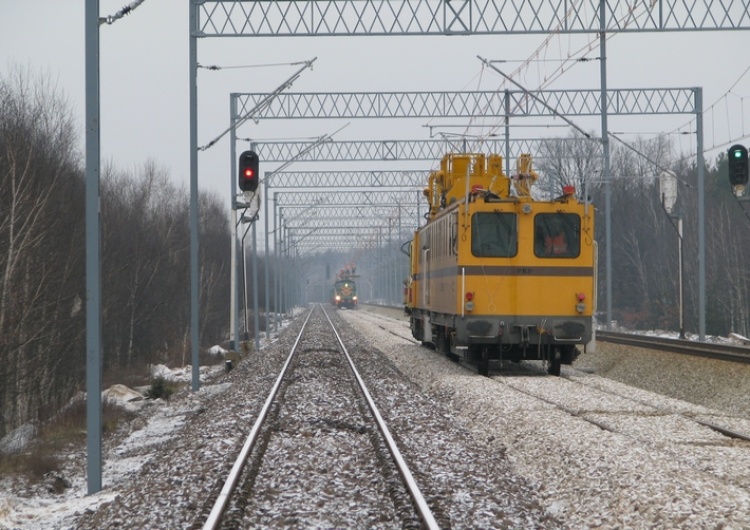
(494, 235)
(557, 235)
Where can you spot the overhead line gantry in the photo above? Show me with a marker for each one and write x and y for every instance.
(295, 18)
(288, 18)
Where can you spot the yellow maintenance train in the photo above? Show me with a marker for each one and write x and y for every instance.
(496, 274)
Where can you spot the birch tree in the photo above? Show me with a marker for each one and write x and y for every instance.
(40, 281)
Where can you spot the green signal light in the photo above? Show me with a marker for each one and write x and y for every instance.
(737, 153)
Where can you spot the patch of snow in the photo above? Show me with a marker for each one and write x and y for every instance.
(16, 440)
(217, 350)
(121, 394)
(35, 508)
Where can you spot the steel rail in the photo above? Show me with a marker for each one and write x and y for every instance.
(741, 354)
(214, 517)
(722, 352)
(421, 504)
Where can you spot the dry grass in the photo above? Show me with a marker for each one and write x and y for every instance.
(65, 432)
(32, 465)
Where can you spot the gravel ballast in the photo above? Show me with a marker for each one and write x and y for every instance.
(612, 444)
(603, 453)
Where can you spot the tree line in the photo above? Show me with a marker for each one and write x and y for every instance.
(145, 266)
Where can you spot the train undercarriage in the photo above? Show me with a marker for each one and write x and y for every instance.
(481, 340)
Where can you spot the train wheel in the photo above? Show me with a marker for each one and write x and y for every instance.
(569, 354)
(416, 329)
(442, 343)
(483, 365)
(555, 363)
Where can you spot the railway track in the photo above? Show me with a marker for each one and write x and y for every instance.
(667, 426)
(319, 406)
(709, 350)
(723, 352)
(633, 456)
(705, 350)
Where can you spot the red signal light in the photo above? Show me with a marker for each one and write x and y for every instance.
(248, 174)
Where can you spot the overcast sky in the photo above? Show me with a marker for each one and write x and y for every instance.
(144, 78)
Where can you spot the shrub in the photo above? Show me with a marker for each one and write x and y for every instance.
(159, 389)
(33, 465)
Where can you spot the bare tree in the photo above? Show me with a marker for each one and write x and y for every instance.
(145, 262)
(40, 281)
(573, 161)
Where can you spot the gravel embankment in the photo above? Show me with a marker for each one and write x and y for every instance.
(603, 453)
(610, 445)
(469, 483)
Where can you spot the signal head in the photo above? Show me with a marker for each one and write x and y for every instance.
(249, 169)
(739, 169)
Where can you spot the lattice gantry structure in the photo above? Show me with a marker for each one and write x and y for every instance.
(470, 104)
(297, 18)
(499, 105)
(463, 17)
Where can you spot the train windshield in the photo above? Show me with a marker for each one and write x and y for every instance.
(346, 286)
(557, 235)
(494, 235)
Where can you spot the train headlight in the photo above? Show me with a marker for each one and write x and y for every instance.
(338, 298)
(354, 297)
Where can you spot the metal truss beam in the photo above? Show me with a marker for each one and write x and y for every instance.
(354, 223)
(330, 245)
(408, 218)
(350, 105)
(343, 215)
(400, 150)
(358, 230)
(342, 241)
(354, 237)
(314, 199)
(348, 179)
(225, 18)
(346, 227)
(344, 211)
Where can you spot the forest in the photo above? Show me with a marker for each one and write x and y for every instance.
(146, 239)
(144, 261)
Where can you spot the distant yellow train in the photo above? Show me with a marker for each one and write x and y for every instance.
(496, 274)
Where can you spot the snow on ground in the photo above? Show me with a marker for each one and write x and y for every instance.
(35, 508)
